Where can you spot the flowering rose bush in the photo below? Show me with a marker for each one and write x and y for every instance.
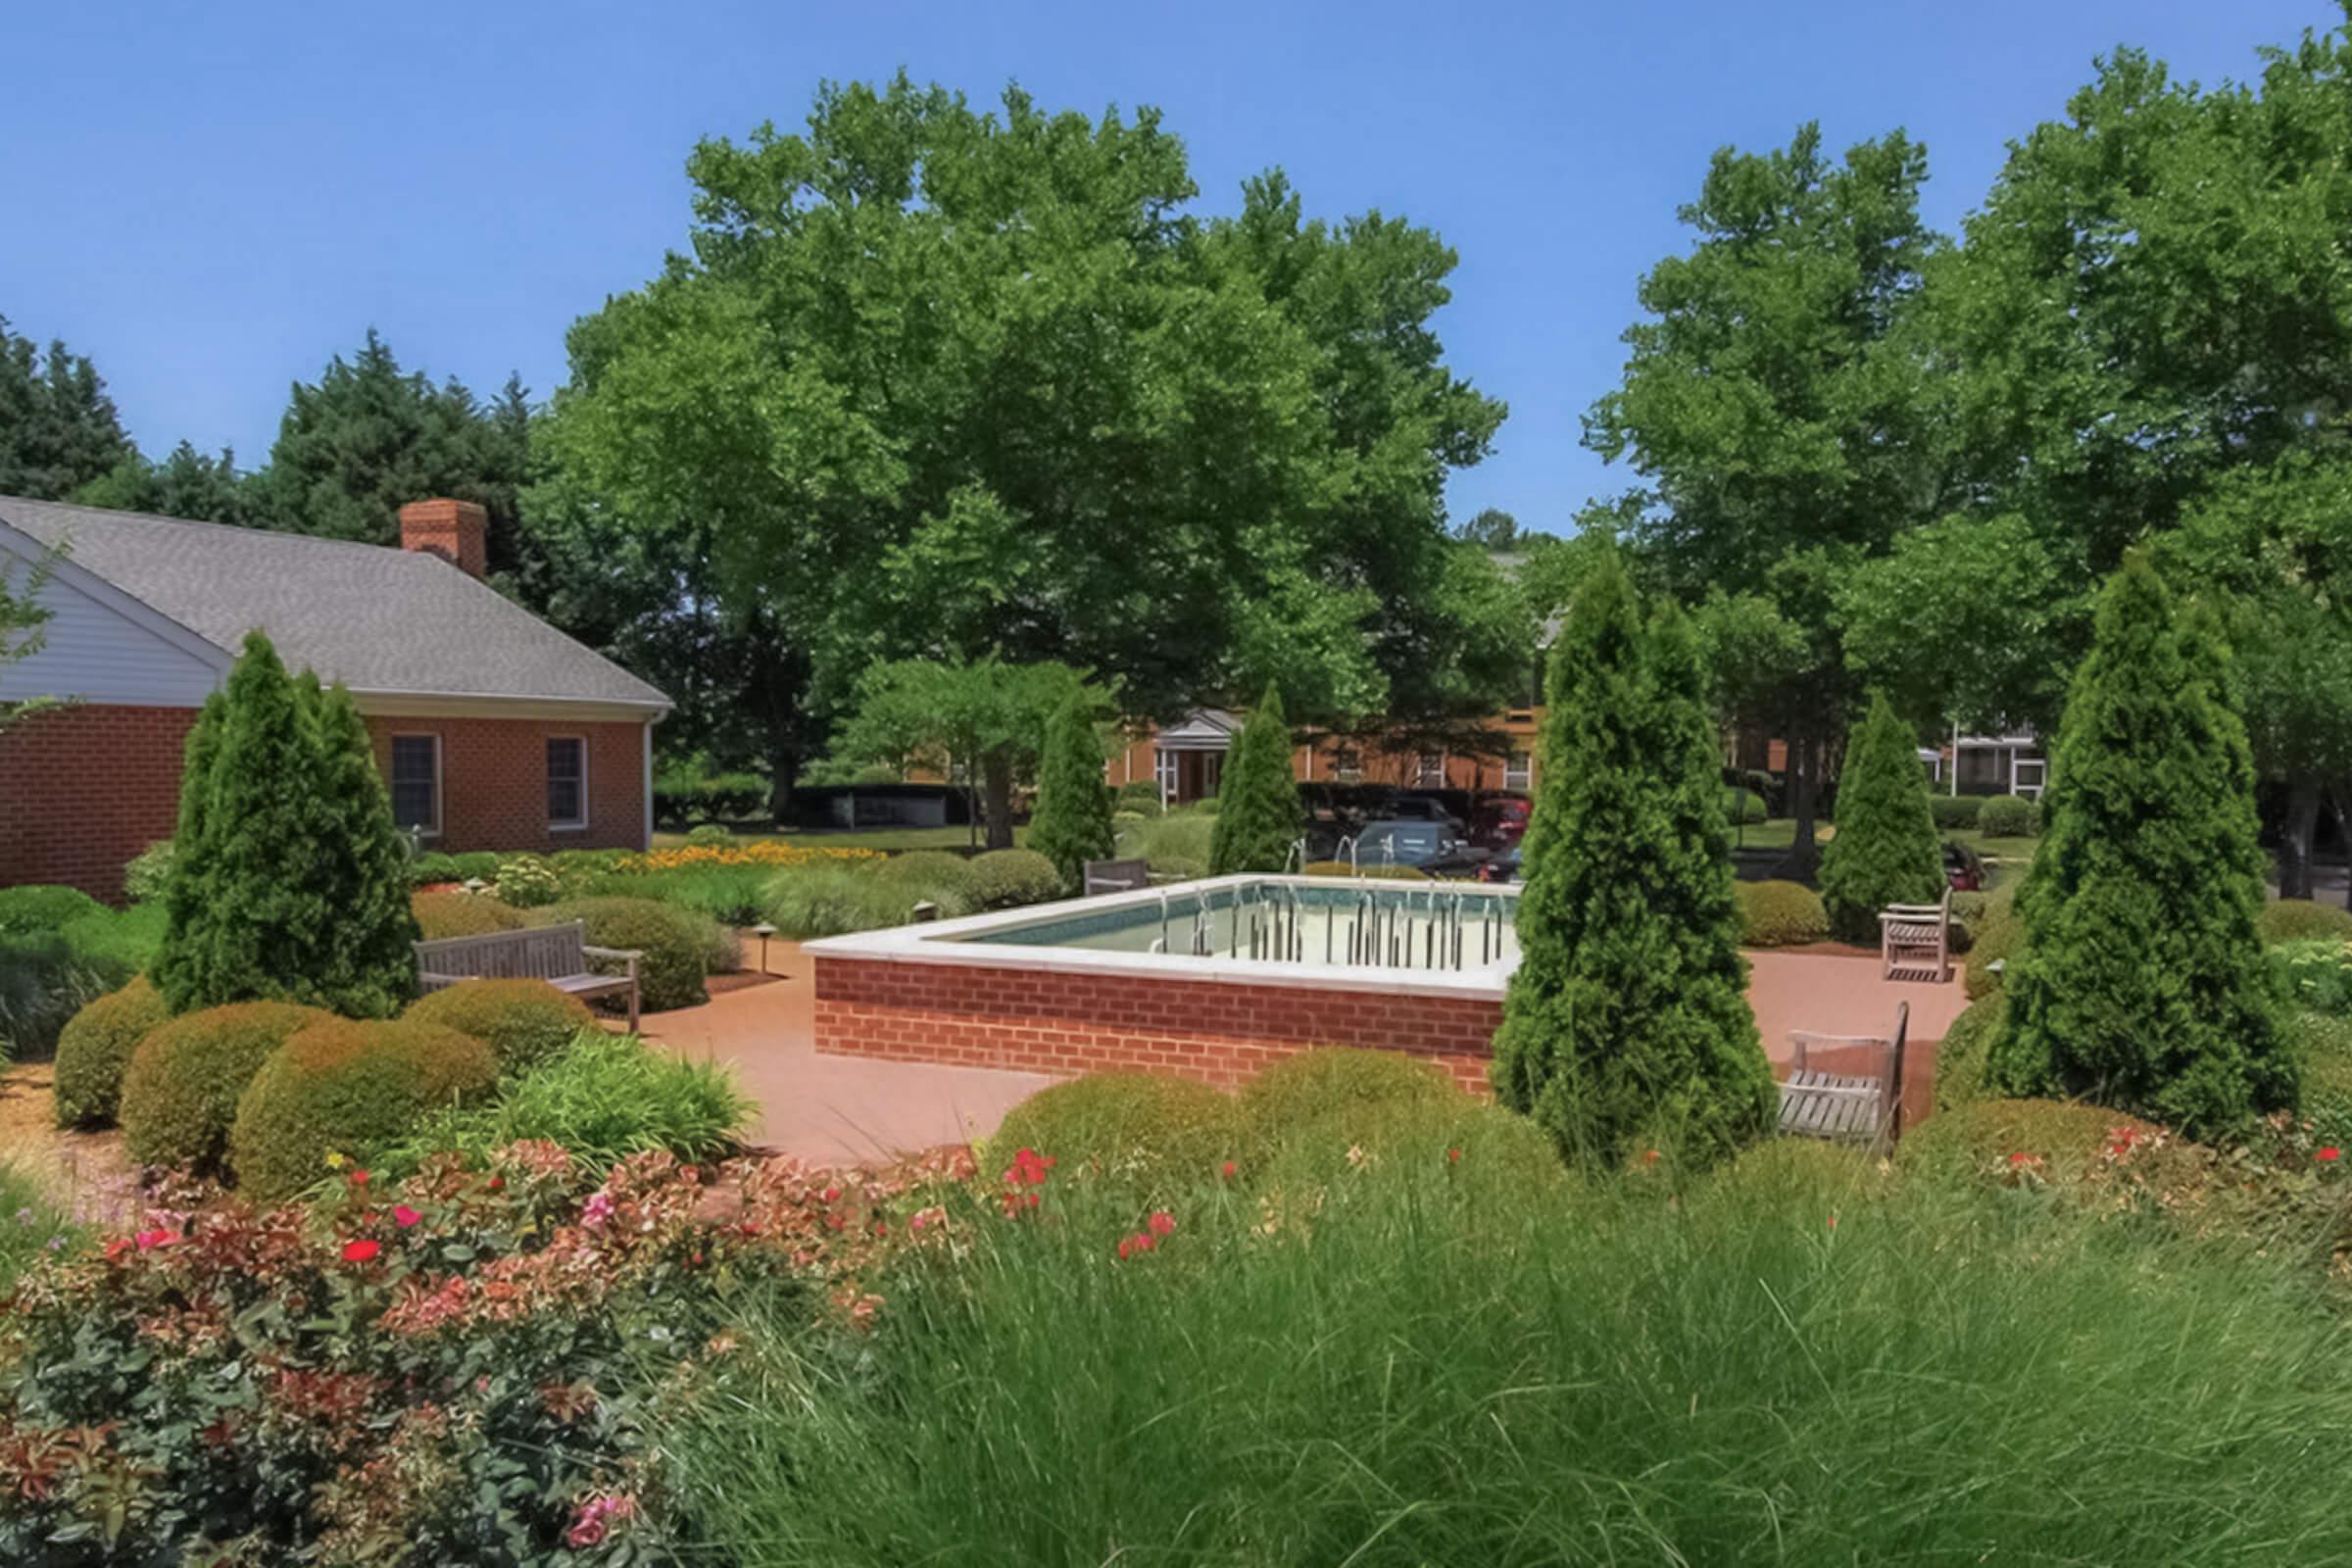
(467, 1368)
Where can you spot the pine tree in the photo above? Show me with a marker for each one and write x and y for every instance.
(281, 887)
(1626, 1026)
(1885, 850)
(1071, 824)
(1258, 813)
(2143, 983)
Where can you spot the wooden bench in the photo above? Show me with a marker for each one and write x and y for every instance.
(558, 954)
(1851, 1107)
(1915, 940)
(1116, 876)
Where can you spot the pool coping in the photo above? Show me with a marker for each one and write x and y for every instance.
(936, 943)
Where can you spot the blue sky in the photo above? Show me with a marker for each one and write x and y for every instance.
(211, 200)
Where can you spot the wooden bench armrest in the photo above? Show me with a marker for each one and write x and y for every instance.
(630, 953)
(429, 981)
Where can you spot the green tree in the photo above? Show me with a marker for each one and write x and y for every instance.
(2142, 984)
(58, 429)
(1626, 1022)
(1260, 818)
(1491, 529)
(24, 626)
(1070, 824)
(288, 884)
(1778, 417)
(981, 724)
(185, 484)
(1886, 850)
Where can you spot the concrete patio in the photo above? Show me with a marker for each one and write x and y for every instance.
(841, 1110)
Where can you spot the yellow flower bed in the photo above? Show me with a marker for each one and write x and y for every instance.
(775, 852)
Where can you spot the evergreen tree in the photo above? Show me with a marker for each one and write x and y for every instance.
(58, 429)
(1258, 814)
(2142, 984)
(1071, 824)
(185, 484)
(1626, 1026)
(283, 887)
(1885, 850)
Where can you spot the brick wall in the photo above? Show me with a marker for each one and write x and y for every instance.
(84, 789)
(1042, 1021)
(494, 782)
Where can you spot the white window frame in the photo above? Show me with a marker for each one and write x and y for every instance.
(1430, 771)
(1348, 764)
(1519, 770)
(579, 825)
(1163, 773)
(391, 760)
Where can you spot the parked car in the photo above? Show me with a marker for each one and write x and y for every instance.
(1421, 809)
(1963, 867)
(1504, 866)
(1432, 847)
(1500, 822)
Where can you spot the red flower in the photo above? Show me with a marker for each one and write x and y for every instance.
(1832, 1222)
(1454, 1156)
(359, 1251)
(1162, 1222)
(358, 1178)
(117, 1248)
(159, 1237)
(1230, 1168)
(1027, 1170)
(2329, 1154)
(1140, 1242)
(404, 1217)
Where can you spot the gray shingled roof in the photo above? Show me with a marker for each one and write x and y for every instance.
(377, 619)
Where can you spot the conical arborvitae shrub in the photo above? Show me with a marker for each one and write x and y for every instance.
(1885, 850)
(1626, 1026)
(1258, 814)
(286, 885)
(2142, 984)
(1071, 824)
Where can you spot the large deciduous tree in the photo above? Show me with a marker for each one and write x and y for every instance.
(1626, 1025)
(58, 429)
(2142, 982)
(1769, 406)
(934, 383)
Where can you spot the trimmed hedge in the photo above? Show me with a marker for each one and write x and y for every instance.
(523, 1022)
(680, 947)
(1740, 806)
(95, 1049)
(1960, 1058)
(463, 914)
(935, 876)
(1005, 879)
(1781, 914)
(433, 866)
(1998, 941)
(2302, 920)
(1333, 1079)
(179, 1098)
(346, 1088)
(2009, 816)
(477, 865)
(1955, 811)
(1160, 1133)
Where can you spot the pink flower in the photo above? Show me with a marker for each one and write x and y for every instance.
(159, 1237)
(404, 1217)
(1161, 1223)
(594, 1520)
(361, 1251)
(596, 1211)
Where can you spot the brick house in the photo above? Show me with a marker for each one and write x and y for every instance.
(494, 730)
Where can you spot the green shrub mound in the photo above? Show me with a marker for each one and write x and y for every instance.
(2009, 816)
(1071, 823)
(604, 1099)
(40, 909)
(523, 1022)
(1960, 1058)
(2316, 976)
(1451, 1136)
(145, 877)
(347, 1088)
(1158, 1134)
(1335, 1079)
(1259, 815)
(180, 1096)
(1955, 813)
(477, 865)
(528, 882)
(1006, 879)
(463, 914)
(49, 974)
(679, 946)
(804, 901)
(2069, 1139)
(431, 867)
(2302, 920)
(95, 1049)
(932, 876)
(711, 833)
(1743, 806)
(1781, 914)
(1141, 795)
(1994, 950)
(1885, 850)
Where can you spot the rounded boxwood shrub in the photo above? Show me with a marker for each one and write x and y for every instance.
(431, 867)
(1960, 1057)
(1160, 1134)
(346, 1088)
(1781, 914)
(1005, 879)
(934, 875)
(1140, 795)
(1743, 806)
(40, 909)
(680, 947)
(1333, 1079)
(180, 1096)
(463, 914)
(523, 1022)
(2009, 816)
(475, 865)
(711, 834)
(1991, 950)
(2069, 1138)
(95, 1049)
(2303, 921)
(1952, 811)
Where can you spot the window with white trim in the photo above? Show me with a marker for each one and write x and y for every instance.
(1518, 771)
(1433, 770)
(1347, 764)
(567, 781)
(1163, 769)
(415, 783)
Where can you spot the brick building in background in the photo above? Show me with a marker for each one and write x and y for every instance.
(494, 730)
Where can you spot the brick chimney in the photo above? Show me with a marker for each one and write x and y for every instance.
(457, 531)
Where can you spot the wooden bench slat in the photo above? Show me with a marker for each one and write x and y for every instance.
(558, 954)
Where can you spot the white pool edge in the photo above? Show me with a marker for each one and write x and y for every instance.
(938, 942)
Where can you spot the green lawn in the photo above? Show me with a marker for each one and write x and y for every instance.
(891, 838)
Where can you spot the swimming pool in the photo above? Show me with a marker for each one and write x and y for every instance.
(1210, 979)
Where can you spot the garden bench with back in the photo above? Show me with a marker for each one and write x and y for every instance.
(558, 954)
